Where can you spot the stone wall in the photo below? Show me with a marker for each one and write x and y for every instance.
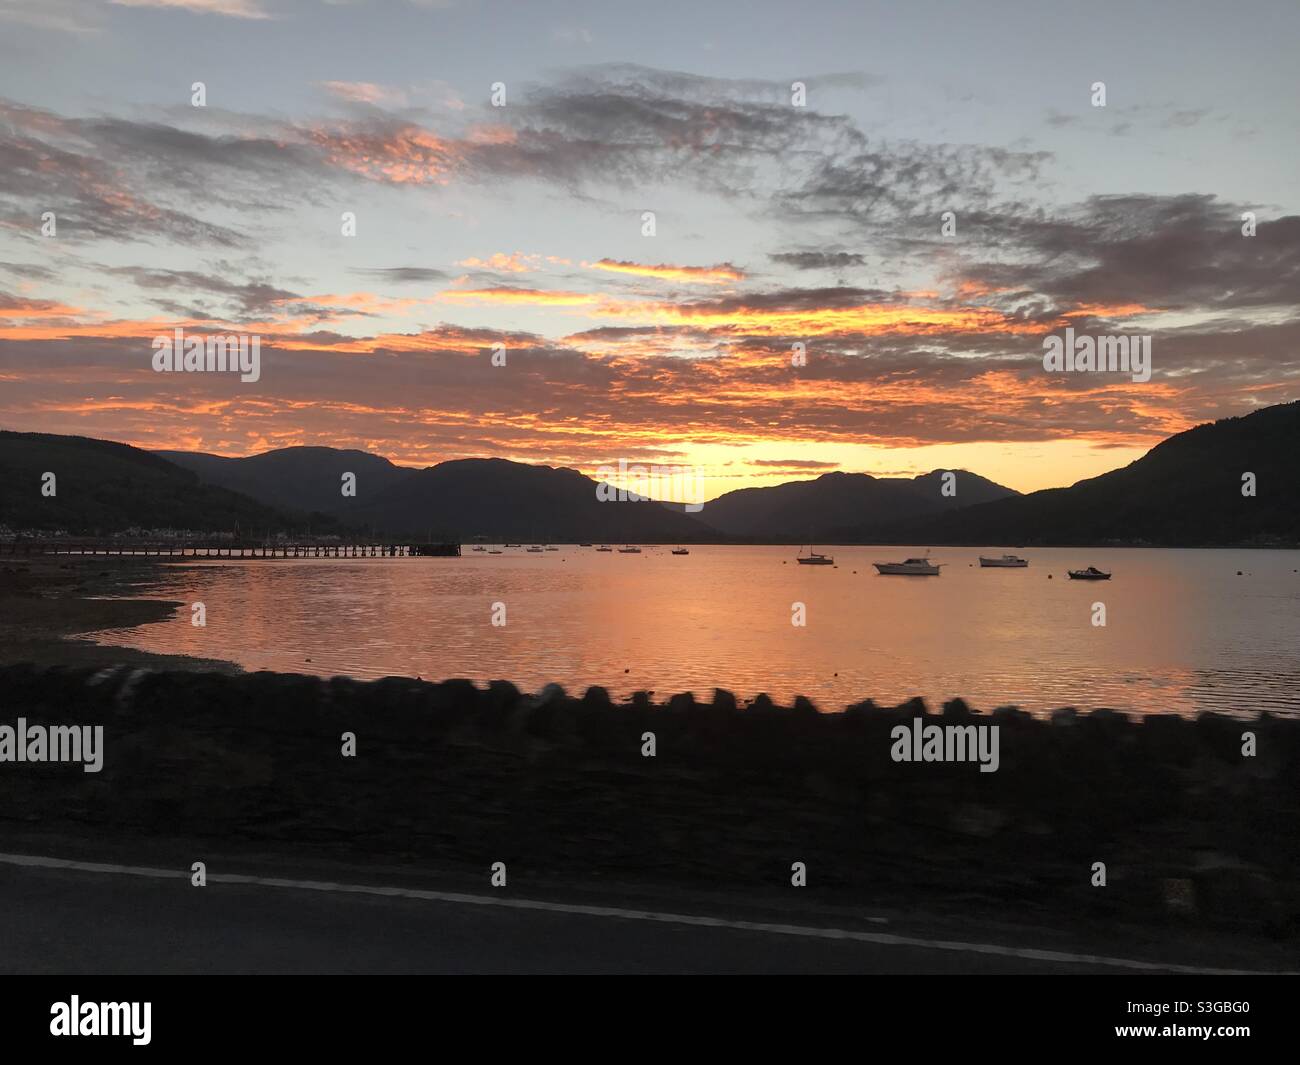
(455, 775)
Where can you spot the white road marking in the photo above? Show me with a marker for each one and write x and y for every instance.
(694, 920)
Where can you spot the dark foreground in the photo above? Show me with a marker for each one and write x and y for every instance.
(1199, 843)
(100, 918)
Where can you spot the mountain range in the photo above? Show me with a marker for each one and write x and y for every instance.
(100, 487)
(1186, 491)
(1234, 481)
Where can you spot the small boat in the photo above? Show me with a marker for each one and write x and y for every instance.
(550, 548)
(536, 549)
(584, 545)
(680, 551)
(629, 550)
(912, 567)
(1092, 573)
(512, 545)
(604, 547)
(1004, 562)
(478, 547)
(494, 551)
(812, 558)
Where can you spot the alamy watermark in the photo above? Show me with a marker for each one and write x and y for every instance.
(920, 742)
(1101, 354)
(75, 1017)
(191, 354)
(54, 743)
(636, 484)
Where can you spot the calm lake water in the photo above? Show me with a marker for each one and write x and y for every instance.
(1183, 631)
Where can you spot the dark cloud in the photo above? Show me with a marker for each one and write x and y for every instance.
(29, 271)
(1168, 252)
(402, 274)
(248, 298)
(818, 260)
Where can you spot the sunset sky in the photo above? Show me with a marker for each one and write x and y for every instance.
(775, 225)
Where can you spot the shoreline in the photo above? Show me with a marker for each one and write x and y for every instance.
(50, 604)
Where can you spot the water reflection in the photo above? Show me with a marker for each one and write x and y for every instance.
(1183, 632)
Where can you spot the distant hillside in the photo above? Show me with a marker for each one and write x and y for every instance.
(304, 479)
(1185, 491)
(819, 509)
(460, 499)
(513, 501)
(103, 487)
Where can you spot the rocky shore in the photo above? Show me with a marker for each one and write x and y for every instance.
(453, 775)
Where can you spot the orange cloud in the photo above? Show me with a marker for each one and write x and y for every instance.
(868, 319)
(706, 275)
(29, 309)
(541, 298)
(407, 156)
(513, 263)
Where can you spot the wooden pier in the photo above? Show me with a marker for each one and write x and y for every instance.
(225, 549)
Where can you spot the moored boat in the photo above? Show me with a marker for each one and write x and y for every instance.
(1092, 573)
(1004, 562)
(812, 558)
(604, 547)
(911, 567)
(629, 550)
(680, 551)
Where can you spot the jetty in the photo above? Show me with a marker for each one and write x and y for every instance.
(214, 548)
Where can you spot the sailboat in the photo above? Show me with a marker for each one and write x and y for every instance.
(812, 558)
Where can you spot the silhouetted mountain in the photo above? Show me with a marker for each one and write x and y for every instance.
(1186, 491)
(457, 500)
(103, 487)
(513, 501)
(305, 479)
(817, 509)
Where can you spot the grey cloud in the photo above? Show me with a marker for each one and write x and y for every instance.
(818, 260)
(402, 274)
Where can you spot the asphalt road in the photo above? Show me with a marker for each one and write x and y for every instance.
(109, 919)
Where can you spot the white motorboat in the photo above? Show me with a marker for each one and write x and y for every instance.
(604, 547)
(536, 549)
(1004, 562)
(912, 567)
(629, 550)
